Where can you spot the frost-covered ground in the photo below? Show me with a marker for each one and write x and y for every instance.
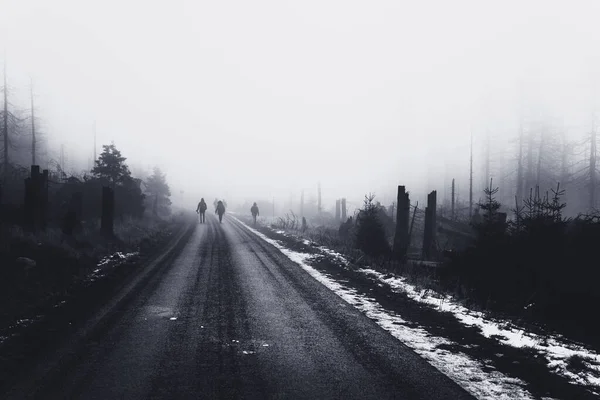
(474, 375)
(108, 263)
(557, 350)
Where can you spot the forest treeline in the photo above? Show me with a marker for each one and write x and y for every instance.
(51, 218)
(539, 155)
(23, 144)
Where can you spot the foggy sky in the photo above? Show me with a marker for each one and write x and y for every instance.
(250, 99)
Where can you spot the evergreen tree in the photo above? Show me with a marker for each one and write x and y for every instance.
(370, 232)
(110, 166)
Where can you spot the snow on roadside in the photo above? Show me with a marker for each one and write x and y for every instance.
(471, 374)
(556, 349)
(110, 262)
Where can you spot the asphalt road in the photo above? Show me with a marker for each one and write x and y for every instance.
(231, 317)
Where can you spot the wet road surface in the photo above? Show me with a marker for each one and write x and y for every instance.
(231, 317)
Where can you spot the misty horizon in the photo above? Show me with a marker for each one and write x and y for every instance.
(264, 100)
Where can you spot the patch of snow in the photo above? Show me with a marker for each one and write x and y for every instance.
(115, 258)
(554, 348)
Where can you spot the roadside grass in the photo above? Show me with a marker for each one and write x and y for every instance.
(42, 303)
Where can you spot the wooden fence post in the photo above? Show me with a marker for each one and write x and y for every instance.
(402, 218)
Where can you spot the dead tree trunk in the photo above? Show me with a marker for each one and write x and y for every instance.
(487, 158)
(402, 216)
(33, 139)
(412, 224)
(540, 160)
(529, 184)
(430, 226)
(5, 127)
(519, 188)
(452, 215)
(564, 169)
(471, 181)
(108, 211)
(319, 199)
(593, 172)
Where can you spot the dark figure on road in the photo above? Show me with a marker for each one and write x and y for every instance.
(254, 211)
(201, 210)
(220, 210)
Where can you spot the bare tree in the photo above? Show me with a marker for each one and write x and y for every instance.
(33, 138)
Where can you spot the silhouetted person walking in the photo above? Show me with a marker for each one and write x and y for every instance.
(220, 210)
(254, 211)
(201, 210)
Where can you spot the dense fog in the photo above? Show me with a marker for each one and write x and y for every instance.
(263, 100)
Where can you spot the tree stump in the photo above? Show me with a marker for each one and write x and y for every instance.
(400, 248)
(430, 226)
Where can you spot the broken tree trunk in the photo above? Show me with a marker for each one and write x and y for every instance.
(430, 225)
(412, 224)
(452, 215)
(402, 216)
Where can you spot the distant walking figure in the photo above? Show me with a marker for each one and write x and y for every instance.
(254, 211)
(201, 210)
(220, 210)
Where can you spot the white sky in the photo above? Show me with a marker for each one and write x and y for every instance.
(261, 98)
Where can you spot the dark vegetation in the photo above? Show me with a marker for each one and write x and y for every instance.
(41, 263)
(51, 220)
(370, 234)
(539, 266)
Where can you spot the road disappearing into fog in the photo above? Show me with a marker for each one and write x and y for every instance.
(231, 317)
